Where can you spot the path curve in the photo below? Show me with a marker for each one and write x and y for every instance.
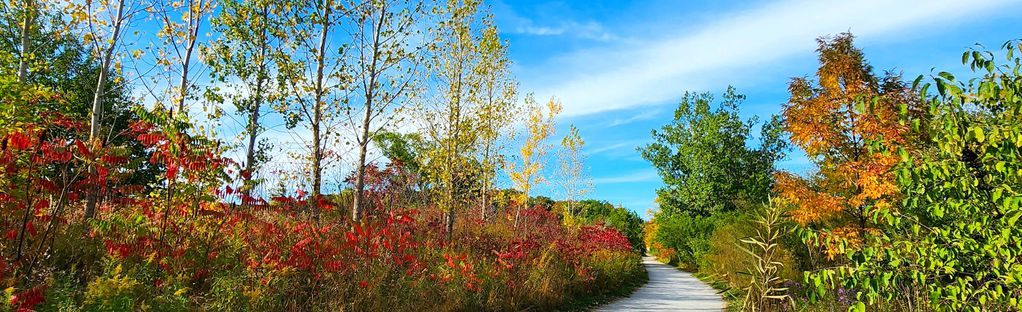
(669, 289)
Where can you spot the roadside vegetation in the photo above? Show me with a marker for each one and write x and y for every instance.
(912, 204)
(123, 188)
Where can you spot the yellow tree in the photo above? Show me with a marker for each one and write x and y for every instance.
(528, 173)
(451, 116)
(180, 22)
(573, 178)
(841, 120)
(497, 108)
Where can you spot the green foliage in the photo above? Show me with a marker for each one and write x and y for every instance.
(688, 235)
(704, 158)
(954, 243)
(622, 219)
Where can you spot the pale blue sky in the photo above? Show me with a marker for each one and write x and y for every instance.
(619, 67)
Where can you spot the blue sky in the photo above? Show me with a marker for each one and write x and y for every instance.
(619, 67)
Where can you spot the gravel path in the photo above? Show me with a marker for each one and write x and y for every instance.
(669, 289)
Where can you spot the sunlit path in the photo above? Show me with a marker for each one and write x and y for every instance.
(669, 289)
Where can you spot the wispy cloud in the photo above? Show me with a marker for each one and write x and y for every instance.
(642, 74)
(588, 30)
(644, 115)
(632, 177)
(616, 149)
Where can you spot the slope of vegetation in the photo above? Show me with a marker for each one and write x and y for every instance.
(117, 192)
(912, 207)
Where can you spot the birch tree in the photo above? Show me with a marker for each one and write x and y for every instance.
(101, 24)
(384, 58)
(243, 60)
(314, 75)
(179, 32)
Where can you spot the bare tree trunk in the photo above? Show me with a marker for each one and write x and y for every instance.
(357, 209)
(97, 104)
(317, 113)
(363, 142)
(25, 29)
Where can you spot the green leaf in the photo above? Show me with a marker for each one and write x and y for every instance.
(858, 307)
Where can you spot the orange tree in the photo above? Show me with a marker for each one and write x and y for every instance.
(954, 242)
(838, 120)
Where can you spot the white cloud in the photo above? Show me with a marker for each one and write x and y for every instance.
(588, 30)
(642, 74)
(645, 115)
(632, 177)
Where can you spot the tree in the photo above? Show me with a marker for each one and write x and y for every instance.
(953, 242)
(497, 106)
(100, 25)
(248, 51)
(451, 115)
(384, 67)
(704, 159)
(29, 12)
(313, 75)
(572, 170)
(180, 22)
(837, 120)
(528, 173)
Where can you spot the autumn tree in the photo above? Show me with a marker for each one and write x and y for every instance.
(243, 62)
(101, 25)
(451, 113)
(527, 173)
(573, 177)
(497, 108)
(179, 22)
(952, 242)
(313, 81)
(384, 59)
(838, 119)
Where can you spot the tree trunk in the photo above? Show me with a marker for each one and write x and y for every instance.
(253, 114)
(97, 105)
(193, 33)
(25, 29)
(363, 142)
(317, 114)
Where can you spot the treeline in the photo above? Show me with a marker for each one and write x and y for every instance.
(912, 205)
(117, 193)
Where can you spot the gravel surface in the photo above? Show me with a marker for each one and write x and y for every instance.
(669, 289)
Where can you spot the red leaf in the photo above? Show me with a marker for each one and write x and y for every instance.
(18, 140)
(83, 149)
